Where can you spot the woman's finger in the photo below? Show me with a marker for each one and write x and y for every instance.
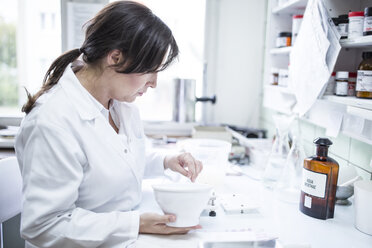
(199, 166)
(163, 219)
(189, 161)
(179, 230)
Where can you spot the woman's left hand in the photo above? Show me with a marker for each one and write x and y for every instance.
(180, 162)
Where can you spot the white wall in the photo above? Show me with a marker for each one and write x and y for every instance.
(235, 31)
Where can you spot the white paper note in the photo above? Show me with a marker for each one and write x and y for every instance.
(313, 56)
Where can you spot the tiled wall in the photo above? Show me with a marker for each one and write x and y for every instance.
(345, 150)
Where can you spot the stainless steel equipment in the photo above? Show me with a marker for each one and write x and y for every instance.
(184, 100)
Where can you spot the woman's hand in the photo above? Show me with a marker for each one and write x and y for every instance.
(156, 224)
(180, 162)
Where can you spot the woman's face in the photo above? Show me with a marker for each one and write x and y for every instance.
(127, 87)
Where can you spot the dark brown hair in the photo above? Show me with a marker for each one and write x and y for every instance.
(130, 27)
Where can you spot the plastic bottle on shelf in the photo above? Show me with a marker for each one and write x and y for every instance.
(367, 27)
(352, 84)
(283, 39)
(274, 76)
(356, 22)
(343, 26)
(330, 89)
(283, 77)
(342, 83)
(296, 23)
(364, 77)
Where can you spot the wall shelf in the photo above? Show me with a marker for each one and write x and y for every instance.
(281, 51)
(291, 7)
(350, 101)
(281, 89)
(360, 42)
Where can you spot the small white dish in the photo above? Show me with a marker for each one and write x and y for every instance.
(185, 200)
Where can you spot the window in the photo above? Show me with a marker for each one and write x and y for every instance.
(8, 57)
(30, 38)
(186, 20)
(39, 42)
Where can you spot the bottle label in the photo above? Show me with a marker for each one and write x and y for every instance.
(314, 183)
(283, 41)
(307, 201)
(351, 90)
(341, 88)
(364, 81)
(356, 27)
(343, 29)
(367, 24)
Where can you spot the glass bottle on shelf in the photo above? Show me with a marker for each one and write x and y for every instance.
(364, 77)
(289, 184)
(279, 152)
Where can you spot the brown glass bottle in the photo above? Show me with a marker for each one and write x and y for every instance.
(319, 182)
(364, 78)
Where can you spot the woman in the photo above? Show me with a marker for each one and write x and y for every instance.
(81, 145)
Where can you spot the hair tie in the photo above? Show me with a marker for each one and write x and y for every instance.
(81, 50)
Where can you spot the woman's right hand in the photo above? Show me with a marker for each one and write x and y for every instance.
(156, 224)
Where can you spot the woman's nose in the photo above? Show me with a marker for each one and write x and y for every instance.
(153, 82)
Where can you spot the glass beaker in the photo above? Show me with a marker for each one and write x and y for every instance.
(279, 152)
(288, 188)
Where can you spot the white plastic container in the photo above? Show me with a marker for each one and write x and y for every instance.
(330, 90)
(352, 84)
(342, 84)
(363, 206)
(296, 24)
(283, 77)
(213, 154)
(356, 22)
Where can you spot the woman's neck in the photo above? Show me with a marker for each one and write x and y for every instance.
(92, 81)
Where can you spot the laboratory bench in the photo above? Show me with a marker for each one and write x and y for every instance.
(269, 217)
(6, 152)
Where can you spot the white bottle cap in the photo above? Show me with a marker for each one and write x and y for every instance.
(342, 74)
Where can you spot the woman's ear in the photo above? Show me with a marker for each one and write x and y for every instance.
(114, 57)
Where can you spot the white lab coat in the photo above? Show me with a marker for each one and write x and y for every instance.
(82, 180)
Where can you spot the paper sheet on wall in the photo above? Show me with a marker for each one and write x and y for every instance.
(77, 15)
(313, 56)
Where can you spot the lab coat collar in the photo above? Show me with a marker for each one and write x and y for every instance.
(87, 108)
(90, 109)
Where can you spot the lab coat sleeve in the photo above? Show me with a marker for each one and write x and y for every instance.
(52, 170)
(154, 164)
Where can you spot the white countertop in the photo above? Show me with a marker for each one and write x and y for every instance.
(273, 218)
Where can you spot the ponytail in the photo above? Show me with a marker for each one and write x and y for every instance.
(52, 77)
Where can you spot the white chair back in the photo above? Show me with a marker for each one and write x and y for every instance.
(10, 190)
